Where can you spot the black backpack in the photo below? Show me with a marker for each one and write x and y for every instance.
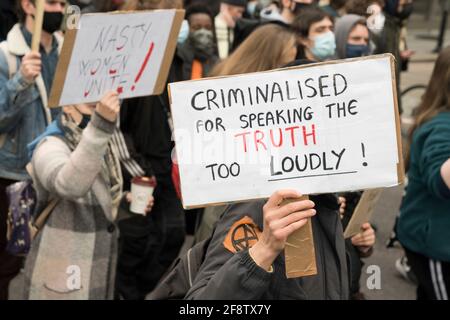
(181, 274)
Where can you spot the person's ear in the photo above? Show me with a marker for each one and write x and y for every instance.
(28, 7)
(305, 42)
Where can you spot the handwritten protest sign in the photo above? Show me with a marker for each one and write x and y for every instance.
(129, 52)
(321, 128)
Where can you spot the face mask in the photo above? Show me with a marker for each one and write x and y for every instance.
(84, 121)
(324, 46)
(356, 50)
(184, 32)
(203, 42)
(52, 21)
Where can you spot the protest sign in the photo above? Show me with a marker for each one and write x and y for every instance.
(321, 128)
(129, 52)
(363, 212)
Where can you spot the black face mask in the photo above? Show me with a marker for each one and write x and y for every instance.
(52, 21)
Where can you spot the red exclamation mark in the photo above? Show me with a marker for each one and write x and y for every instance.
(144, 65)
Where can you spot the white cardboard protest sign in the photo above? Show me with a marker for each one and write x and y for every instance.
(321, 128)
(130, 52)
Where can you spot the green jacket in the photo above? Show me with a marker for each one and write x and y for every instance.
(424, 225)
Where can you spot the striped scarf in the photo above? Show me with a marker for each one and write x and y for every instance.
(110, 166)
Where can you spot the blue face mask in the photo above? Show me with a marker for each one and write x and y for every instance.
(184, 32)
(356, 50)
(324, 46)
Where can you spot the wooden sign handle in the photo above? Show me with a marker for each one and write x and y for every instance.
(300, 255)
(37, 29)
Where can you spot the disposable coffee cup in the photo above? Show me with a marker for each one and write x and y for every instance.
(141, 191)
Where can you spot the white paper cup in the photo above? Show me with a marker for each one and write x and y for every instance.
(141, 191)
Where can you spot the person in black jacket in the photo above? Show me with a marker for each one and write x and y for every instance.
(252, 267)
(196, 57)
(158, 239)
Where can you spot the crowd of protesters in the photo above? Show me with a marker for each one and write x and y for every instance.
(86, 156)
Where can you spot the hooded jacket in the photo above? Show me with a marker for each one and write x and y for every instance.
(224, 275)
(342, 29)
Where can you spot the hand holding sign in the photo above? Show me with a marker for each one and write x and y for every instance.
(109, 106)
(365, 239)
(31, 66)
(279, 223)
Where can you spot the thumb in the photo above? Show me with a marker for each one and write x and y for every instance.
(366, 226)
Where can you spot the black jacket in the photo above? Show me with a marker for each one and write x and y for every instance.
(182, 63)
(8, 17)
(225, 275)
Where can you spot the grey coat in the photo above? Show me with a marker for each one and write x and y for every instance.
(74, 256)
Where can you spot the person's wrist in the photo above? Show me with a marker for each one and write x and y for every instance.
(263, 255)
(24, 80)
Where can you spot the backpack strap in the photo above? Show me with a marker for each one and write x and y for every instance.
(43, 216)
(11, 59)
(42, 219)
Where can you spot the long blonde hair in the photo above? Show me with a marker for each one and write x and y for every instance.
(263, 50)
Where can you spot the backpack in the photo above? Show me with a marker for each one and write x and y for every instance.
(181, 275)
(22, 201)
(23, 223)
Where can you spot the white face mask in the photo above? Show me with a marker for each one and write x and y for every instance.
(324, 46)
(184, 32)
